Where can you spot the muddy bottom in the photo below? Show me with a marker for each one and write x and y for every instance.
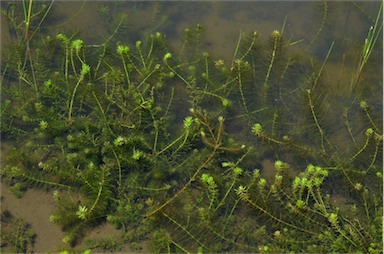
(34, 208)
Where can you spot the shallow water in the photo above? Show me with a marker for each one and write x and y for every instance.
(311, 28)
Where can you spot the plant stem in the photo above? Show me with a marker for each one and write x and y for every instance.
(315, 118)
(73, 98)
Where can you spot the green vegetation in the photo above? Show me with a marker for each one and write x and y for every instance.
(16, 234)
(169, 145)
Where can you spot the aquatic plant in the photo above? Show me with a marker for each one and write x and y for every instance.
(97, 126)
(16, 234)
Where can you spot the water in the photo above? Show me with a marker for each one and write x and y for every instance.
(311, 27)
(332, 33)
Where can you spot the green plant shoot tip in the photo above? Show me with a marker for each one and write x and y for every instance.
(85, 68)
(257, 129)
(188, 122)
(77, 44)
(167, 56)
(122, 50)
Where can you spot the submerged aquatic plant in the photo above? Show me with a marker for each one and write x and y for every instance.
(98, 128)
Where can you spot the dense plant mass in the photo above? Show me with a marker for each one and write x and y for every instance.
(172, 145)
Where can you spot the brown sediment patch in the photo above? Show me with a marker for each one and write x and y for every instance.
(268, 170)
(35, 207)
